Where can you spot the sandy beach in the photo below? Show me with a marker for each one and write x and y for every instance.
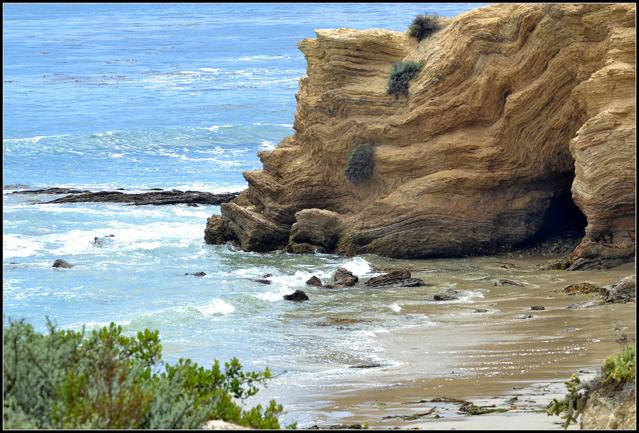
(494, 358)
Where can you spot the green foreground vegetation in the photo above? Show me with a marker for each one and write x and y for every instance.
(66, 379)
(616, 370)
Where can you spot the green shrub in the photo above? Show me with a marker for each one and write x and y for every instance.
(620, 367)
(401, 74)
(64, 379)
(423, 26)
(572, 404)
(360, 163)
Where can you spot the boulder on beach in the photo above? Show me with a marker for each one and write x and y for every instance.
(344, 277)
(297, 295)
(620, 292)
(59, 263)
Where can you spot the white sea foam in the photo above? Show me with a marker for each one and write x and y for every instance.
(19, 246)
(395, 307)
(267, 145)
(210, 70)
(31, 140)
(216, 306)
(262, 57)
(357, 266)
(216, 128)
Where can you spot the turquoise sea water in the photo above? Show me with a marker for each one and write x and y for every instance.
(174, 96)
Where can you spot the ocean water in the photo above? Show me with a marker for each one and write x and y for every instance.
(137, 96)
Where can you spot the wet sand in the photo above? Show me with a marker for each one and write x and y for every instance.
(490, 357)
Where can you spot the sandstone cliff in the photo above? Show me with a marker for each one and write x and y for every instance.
(515, 109)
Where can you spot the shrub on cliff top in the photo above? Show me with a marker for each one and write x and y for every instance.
(360, 163)
(620, 367)
(423, 26)
(62, 379)
(401, 74)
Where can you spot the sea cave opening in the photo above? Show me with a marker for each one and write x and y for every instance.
(563, 220)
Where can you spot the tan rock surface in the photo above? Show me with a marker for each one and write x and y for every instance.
(515, 106)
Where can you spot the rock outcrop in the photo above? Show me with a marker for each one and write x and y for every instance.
(610, 408)
(155, 198)
(520, 115)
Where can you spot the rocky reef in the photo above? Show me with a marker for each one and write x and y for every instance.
(520, 122)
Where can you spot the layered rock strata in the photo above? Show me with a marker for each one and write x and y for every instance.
(514, 108)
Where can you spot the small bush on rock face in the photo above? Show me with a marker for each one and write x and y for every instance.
(620, 367)
(64, 379)
(360, 163)
(401, 74)
(423, 26)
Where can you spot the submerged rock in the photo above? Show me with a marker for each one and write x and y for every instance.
(59, 263)
(103, 242)
(262, 281)
(297, 295)
(505, 281)
(344, 277)
(314, 281)
(480, 310)
(448, 295)
(537, 308)
(197, 274)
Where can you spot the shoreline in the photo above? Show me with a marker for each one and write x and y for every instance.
(498, 356)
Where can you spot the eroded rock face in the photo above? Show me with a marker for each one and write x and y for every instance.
(515, 105)
(610, 408)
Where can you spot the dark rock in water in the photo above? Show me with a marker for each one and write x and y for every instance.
(413, 282)
(339, 427)
(537, 308)
(329, 286)
(620, 292)
(504, 281)
(52, 191)
(480, 310)
(581, 289)
(448, 295)
(59, 263)
(344, 277)
(144, 198)
(390, 279)
(193, 205)
(314, 281)
(102, 242)
(297, 295)
(267, 275)
(262, 281)
(524, 316)
(196, 274)
(366, 366)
